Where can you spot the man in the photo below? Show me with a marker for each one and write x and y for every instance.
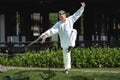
(67, 34)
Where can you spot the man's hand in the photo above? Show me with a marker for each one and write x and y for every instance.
(83, 4)
(41, 37)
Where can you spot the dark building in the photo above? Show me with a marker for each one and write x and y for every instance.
(22, 21)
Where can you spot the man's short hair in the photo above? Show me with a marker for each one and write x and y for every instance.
(61, 12)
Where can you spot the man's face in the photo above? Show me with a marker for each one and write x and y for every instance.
(62, 17)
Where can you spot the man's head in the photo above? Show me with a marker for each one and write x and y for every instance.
(62, 15)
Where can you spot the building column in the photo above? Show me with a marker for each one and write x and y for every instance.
(2, 28)
(45, 22)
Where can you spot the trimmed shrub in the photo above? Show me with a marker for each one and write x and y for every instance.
(80, 57)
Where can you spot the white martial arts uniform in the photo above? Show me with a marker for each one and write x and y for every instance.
(67, 35)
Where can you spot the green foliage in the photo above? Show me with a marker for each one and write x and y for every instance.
(53, 18)
(96, 57)
(80, 57)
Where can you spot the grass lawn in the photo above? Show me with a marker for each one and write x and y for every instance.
(56, 74)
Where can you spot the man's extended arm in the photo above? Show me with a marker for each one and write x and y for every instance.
(78, 13)
(49, 32)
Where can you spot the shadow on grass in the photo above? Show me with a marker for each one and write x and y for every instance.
(14, 78)
(109, 76)
(81, 78)
(23, 75)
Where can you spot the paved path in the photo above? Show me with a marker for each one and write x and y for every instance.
(99, 70)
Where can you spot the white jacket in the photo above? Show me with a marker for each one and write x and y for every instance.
(65, 29)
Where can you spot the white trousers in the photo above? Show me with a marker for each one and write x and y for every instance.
(73, 37)
(67, 58)
(66, 53)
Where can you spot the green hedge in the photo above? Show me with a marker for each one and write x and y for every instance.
(81, 58)
(96, 57)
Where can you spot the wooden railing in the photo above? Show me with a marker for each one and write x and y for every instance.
(19, 47)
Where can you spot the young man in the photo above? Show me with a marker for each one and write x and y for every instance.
(67, 34)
